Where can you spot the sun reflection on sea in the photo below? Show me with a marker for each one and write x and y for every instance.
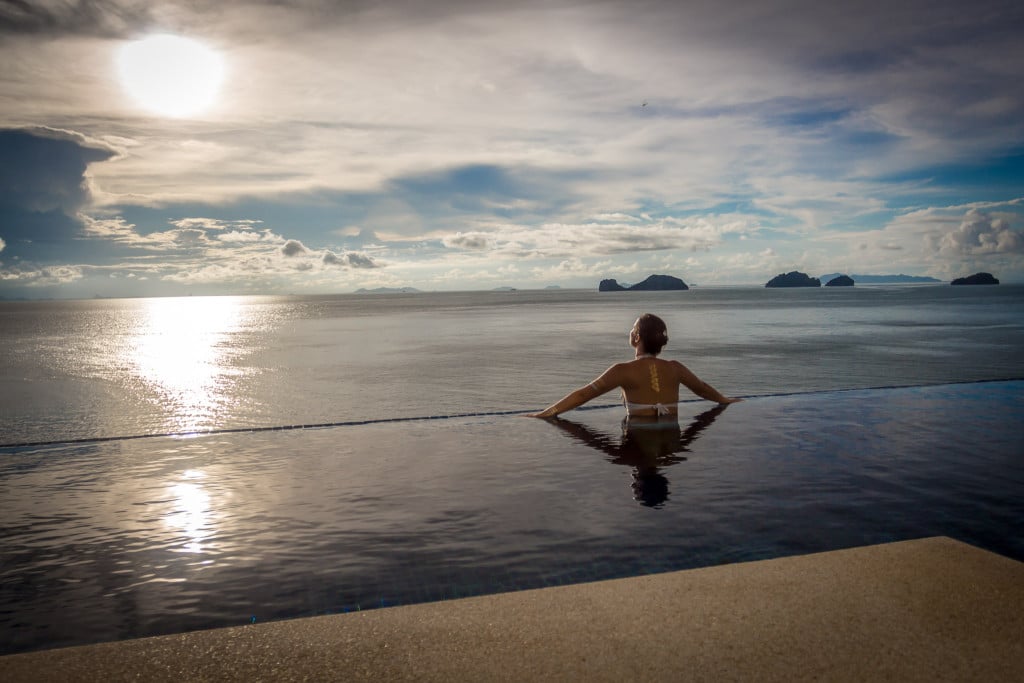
(192, 510)
(182, 351)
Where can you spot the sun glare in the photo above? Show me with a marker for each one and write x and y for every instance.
(183, 352)
(171, 75)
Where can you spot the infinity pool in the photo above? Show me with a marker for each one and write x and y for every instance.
(122, 539)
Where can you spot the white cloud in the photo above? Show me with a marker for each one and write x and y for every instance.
(247, 236)
(41, 276)
(211, 224)
(232, 256)
(577, 268)
(555, 240)
(617, 217)
(980, 233)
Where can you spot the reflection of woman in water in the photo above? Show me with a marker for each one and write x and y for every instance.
(649, 385)
(646, 446)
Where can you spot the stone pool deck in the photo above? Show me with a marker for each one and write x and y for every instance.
(930, 609)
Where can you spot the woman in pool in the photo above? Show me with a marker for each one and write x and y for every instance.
(650, 385)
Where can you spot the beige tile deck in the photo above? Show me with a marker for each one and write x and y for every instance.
(932, 609)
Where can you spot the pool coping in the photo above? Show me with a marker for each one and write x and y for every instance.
(926, 609)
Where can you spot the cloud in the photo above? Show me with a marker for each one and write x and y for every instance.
(215, 223)
(575, 267)
(32, 276)
(197, 250)
(293, 248)
(949, 232)
(243, 236)
(120, 232)
(979, 234)
(254, 270)
(351, 259)
(266, 270)
(78, 17)
(189, 237)
(557, 240)
(940, 241)
(466, 241)
(2, 244)
(43, 184)
(44, 168)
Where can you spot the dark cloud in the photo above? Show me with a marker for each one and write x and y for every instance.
(80, 17)
(42, 184)
(189, 237)
(294, 248)
(121, 18)
(351, 259)
(467, 241)
(360, 261)
(332, 259)
(43, 168)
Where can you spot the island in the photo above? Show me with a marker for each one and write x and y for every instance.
(794, 279)
(976, 279)
(840, 281)
(655, 283)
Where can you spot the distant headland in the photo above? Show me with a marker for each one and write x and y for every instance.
(388, 290)
(900, 279)
(655, 283)
(976, 279)
(797, 279)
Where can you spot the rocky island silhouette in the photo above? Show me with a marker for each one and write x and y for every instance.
(840, 281)
(976, 279)
(654, 283)
(794, 279)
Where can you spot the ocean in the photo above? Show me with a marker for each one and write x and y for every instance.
(181, 463)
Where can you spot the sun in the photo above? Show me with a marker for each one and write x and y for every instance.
(171, 75)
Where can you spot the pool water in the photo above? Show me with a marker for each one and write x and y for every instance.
(111, 540)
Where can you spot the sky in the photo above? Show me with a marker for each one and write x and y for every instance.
(471, 145)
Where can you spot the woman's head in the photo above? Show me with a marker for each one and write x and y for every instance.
(649, 330)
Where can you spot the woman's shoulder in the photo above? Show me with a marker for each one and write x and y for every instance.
(624, 366)
(674, 364)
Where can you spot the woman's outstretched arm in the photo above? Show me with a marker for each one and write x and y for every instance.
(574, 399)
(700, 387)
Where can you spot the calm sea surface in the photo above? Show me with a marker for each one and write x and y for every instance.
(876, 413)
